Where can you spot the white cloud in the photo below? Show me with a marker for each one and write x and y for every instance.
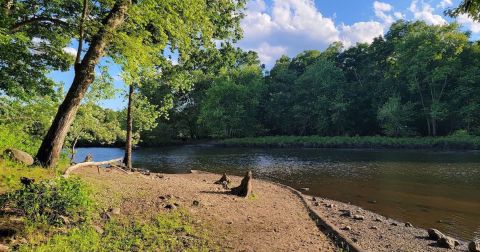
(363, 32)
(382, 10)
(444, 4)
(380, 6)
(426, 13)
(70, 50)
(269, 54)
(469, 23)
(291, 26)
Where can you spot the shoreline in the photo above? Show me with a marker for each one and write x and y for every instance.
(373, 232)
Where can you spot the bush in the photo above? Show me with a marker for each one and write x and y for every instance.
(51, 201)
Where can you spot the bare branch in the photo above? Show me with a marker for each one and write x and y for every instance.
(16, 27)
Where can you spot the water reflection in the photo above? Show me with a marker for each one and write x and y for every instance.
(429, 189)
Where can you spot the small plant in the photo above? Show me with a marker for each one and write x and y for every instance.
(53, 202)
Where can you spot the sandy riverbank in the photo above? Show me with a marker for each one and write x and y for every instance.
(276, 218)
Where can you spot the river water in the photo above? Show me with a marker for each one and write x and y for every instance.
(426, 188)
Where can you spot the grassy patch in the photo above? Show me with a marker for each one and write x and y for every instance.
(11, 172)
(447, 142)
(167, 232)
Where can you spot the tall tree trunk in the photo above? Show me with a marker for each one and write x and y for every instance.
(429, 128)
(434, 127)
(52, 144)
(127, 160)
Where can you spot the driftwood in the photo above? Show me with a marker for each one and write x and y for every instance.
(245, 187)
(223, 179)
(84, 164)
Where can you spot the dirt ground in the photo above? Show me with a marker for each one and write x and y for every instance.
(273, 219)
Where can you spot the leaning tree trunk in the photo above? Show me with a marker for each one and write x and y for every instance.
(127, 160)
(52, 144)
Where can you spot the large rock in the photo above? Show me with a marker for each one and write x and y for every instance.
(474, 246)
(447, 242)
(19, 156)
(434, 234)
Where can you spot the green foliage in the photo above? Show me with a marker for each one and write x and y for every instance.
(395, 117)
(167, 232)
(49, 201)
(231, 104)
(446, 142)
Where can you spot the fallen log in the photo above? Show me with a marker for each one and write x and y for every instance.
(84, 164)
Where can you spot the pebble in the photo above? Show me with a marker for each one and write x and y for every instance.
(4, 248)
(314, 199)
(434, 234)
(358, 217)
(331, 205)
(394, 224)
(196, 203)
(372, 201)
(374, 227)
(229, 222)
(408, 224)
(446, 242)
(305, 189)
(115, 211)
(348, 228)
(378, 220)
(474, 246)
(170, 207)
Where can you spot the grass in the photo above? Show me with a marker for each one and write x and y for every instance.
(11, 172)
(36, 214)
(167, 232)
(445, 142)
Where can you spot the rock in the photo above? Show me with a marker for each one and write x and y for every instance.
(27, 181)
(223, 179)
(378, 220)
(316, 204)
(434, 234)
(474, 246)
(331, 205)
(4, 248)
(346, 213)
(348, 228)
(98, 229)
(314, 199)
(229, 222)
(19, 156)
(88, 158)
(305, 189)
(408, 224)
(372, 201)
(446, 242)
(105, 216)
(170, 207)
(358, 217)
(115, 211)
(394, 224)
(374, 227)
(159, 176)
(195, 203)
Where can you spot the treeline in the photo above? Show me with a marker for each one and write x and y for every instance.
(417, 80)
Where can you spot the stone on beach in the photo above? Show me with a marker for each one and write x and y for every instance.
(19, 156)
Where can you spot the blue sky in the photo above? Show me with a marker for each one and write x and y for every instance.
(276, 27)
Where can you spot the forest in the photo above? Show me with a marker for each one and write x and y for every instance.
(417, 80)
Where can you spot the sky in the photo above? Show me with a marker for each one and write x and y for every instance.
(274, 28)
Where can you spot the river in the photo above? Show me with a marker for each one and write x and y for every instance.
(426, 188)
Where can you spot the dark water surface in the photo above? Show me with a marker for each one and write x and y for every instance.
(426, 188)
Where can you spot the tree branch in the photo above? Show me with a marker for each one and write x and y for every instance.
(34, 20)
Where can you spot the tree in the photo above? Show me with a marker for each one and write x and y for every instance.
(231, 104)
(428, 58)
(395, 117)
(469, 7)
(141, 39)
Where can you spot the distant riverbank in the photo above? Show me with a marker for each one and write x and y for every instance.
(441, 143)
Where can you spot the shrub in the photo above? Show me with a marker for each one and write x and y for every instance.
(51, 201)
